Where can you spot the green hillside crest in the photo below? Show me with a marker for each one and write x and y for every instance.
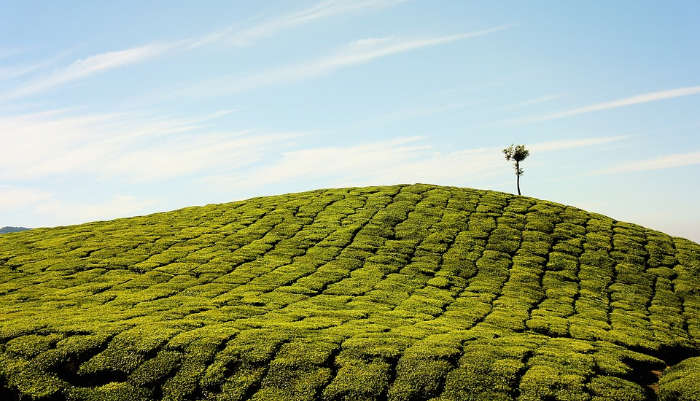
(403, 292)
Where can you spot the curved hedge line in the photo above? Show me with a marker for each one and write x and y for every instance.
(410, 292)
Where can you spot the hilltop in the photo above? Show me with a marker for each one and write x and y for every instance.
(408, 292)
(8, 229)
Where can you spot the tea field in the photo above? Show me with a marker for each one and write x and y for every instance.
(407, 292)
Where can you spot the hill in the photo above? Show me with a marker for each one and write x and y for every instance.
(411, 292)
(9, 229)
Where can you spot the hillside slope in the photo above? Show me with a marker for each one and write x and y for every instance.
(412, 292)
(8, 229)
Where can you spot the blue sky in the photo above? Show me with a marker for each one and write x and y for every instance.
(112, 110)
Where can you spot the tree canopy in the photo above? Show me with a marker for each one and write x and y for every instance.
(517, 153)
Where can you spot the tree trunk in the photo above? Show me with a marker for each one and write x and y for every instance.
(517, 174)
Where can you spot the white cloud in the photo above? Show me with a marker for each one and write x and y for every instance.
(658, 163)
(330, 161)
(323, 9)
(55, 211)
(363, 51)
(8, 73)
(131, 147)
(358, 52)
(537, 100)
(61, 212)
(12, 197)
(643, 98)
(192, 154)
(94, 64)
(89, 66)
(421, 111)
(40, 144)
(399, 160)
(574, 143)
(7, 52)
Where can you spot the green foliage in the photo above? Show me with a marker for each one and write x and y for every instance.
(681, 382)
(411, 292)
(517, 153)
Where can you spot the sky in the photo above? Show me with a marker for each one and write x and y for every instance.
(115, 109)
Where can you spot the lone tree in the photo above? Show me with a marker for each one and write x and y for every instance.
(517, 154)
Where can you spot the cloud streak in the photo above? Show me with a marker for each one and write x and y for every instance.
(323, 9)
(366, 50)
(61, 212)
(124, 146)
(7, 52)
(8, 73)
(88, 66)
(355, 53)
(537, 100)
(574, 143)
(629, 101)
(83, 68)
(405, 160)
(658, 163)
(13, 197)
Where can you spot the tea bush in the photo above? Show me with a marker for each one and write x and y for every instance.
(407, 292)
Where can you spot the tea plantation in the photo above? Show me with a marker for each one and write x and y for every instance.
(409, 292)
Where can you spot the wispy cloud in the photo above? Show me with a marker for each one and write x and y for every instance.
(327, 162)
(358, 52)
(537, 100)
(121, 149)
(57, 211)
(409, 159)
(192, 154)
(125, 146)
(629, 101)
(85, 67)
(61, 212)
(13, 72)
(12, 197)
(366, 50)
(7, 52)
(407, 113)
(658, 163)
(100, 62)
(8, 73)
(266, 28)
(574, 143)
